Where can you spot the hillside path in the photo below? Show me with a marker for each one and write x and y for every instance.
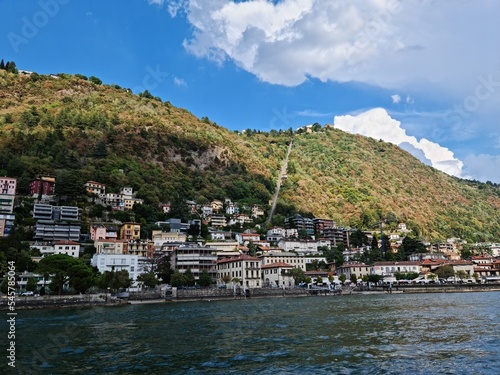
(284, 167)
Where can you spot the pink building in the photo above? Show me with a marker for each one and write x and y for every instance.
(8, 185)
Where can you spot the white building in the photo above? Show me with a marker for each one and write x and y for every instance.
(246, 238)
(244, 268)
(278, 275)
(390, 268)
(118, 262)
(70, 248)
(292, 259)
(299, 246)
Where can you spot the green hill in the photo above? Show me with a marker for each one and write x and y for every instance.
(77, 130)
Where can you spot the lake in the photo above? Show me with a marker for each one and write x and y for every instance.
(435, 333)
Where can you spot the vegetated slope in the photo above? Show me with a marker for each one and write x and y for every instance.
(357, 180)
(76, 130)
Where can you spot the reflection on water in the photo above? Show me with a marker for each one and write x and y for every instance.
(363, 334)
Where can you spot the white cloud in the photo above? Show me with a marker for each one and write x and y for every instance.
(409, 100)
(377, 123)
(313, 113)
(390, 43)
(156, 2)
(179, 81)
(396, 98)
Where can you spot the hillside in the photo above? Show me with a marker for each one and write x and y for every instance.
(78, 130)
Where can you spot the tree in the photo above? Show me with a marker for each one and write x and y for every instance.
(342, 278)
(319, 280)
(205, 279)
(298, 275)
(353, 278)
(64, 269)
(461, 274)
(189, 277)
(445, 272)
(148, 279)
(4, 286)
(114, 280)
(31, 284)
(358, 238)
(177, 279)
(411, 245)
(374, 278)
(95, 80)
(164, 269)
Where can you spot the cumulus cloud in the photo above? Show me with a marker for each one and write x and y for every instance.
(376, 123)
(396, 98)
(385, 42)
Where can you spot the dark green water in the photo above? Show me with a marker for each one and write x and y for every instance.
(362, 334)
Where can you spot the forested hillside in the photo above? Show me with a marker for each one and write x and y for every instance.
(78, 129)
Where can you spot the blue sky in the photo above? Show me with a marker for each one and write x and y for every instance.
(422, 74)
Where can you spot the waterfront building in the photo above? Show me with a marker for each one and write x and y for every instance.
(244, 268)
(118, 262)
(354, 268)
(277, 275)
(390, 268)
(293, 259)
(196, 258)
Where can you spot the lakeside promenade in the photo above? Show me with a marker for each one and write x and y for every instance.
(213, 294)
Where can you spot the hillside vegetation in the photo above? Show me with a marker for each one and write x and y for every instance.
(77, 130)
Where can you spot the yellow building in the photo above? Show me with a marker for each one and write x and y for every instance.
(130, 231)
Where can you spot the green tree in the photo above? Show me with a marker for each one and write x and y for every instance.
(353, 278)
(461, 274)
(374, 278)
(342, 278)
(188, 274)
(205, 279)
(298, 275)
(445, 272)
(177, 279)
(358, 238)
(164, 269)
(148, 279)
(95, 80)
(4, 286)
(31, 284)
(319, 280)
(64, 269)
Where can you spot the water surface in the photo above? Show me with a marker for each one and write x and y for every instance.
(442, 333)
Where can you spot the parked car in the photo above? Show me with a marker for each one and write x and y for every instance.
(27, 293)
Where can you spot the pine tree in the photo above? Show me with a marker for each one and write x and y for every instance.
(2, 65)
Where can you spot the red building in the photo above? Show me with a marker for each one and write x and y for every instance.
(42, 186)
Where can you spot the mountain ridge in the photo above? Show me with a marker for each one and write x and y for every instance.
(78, 130)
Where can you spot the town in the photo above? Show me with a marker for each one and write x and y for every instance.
(208, 250)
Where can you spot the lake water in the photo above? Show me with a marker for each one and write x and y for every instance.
(454, 333)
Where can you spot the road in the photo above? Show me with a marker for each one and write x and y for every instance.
(284, 167)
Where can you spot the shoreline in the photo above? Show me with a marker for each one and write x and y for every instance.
(100, 300)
